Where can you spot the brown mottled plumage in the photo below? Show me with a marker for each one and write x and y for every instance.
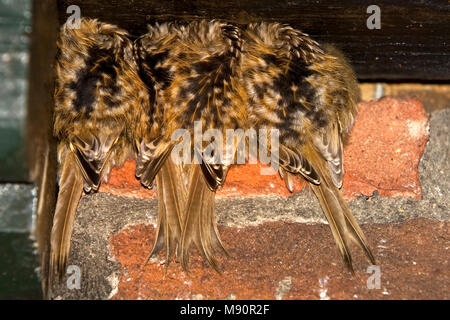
(309, 94)
(194, 71)
(265, 76)
(283, 80)
(100, 106)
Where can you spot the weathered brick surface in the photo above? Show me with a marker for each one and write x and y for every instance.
(385, 147)
(292, 261)
(122, 182)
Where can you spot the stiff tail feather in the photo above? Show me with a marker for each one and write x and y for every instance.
(355, 231)
(70, 192)
(172, 195)
(343, 225)
(44, 212)
(199, 225)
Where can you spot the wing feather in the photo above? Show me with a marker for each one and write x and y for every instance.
(91, 154)
(295, 163)
(149, 162)
(329, 144)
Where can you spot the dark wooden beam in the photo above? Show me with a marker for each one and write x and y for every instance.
(41, 84)
(412, 44)
(41, 145)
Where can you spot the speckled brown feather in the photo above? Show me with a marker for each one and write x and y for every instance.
(309, 94)
(172, 196)
(100, 107)
(194, 68)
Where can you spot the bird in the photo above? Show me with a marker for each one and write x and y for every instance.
(100, 107)
(308, 93)
(115, 98)
(192, 75)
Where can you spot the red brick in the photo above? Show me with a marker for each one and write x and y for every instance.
(385, 147)
(246, 180)
(383, 153)
(122, 182)
(412, 256)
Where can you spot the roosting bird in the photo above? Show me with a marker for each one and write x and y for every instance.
(114, 97)
(101, 105)
(282, 81)
(195, 68)
(309, 94)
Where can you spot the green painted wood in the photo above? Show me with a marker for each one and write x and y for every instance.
(18, 261)
(15, 26)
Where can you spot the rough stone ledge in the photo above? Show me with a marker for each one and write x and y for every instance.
(293, 261)
(412, 255)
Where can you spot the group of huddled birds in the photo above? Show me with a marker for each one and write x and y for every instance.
(118, 96)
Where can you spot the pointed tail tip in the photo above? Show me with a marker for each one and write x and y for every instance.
(348, 263)
(370, 256)
(148, 258)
